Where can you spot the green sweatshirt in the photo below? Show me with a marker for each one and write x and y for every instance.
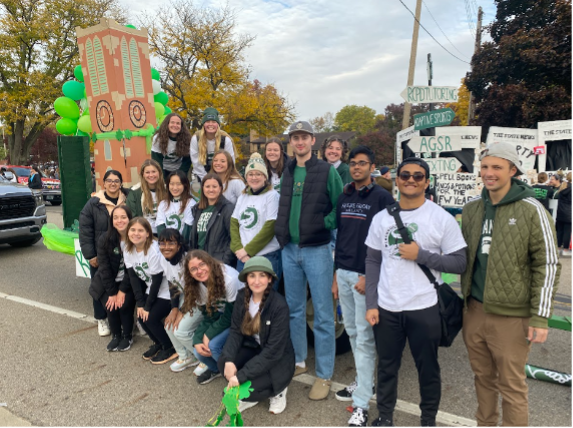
(344, 172)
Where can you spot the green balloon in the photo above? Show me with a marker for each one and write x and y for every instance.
(155, 74)
(159, 110)
(82, 133)
(161, 97)
(67, 108)
(74, 90)
(167, 110)
(131, 26)
(78, 73)
(86, 112)
(85, 124)
(66, 126)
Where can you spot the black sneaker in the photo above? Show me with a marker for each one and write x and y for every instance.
(125, 344)
(346, 393)
(382, 422)
(164, 356)
(207, 377)
(359, 418)
(428, 422)
(113, 344)
(152, 351)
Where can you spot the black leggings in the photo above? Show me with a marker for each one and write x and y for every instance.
(120, 320)
(563, 234)
(154, 326)
(423, 330)
(262, 385)
(99, 309)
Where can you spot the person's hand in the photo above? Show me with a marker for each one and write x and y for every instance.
(241, 254)
(206, 341)
(142, 314)
(233, 382)
(409, 251)
(230, 370)
(335, 287)
(537, 334)
(372, 316)
(177, 320)
(170, 319)
(206, 352)
(119, 299)
(111, 303)
(360, 286)
(93, 262)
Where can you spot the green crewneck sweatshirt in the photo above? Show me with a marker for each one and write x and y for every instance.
(518, 191)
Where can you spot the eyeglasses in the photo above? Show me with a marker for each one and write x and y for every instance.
(110, 181)
(201, 266)
(361, 164)
(168, 244)
(417, 176)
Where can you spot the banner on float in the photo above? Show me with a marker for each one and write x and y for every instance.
(470, 136)
(455, 190)
(554, 130)
(525, 141)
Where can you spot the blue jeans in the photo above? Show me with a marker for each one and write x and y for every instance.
(361, 335)
(182, 338)
(316, 265)
(216, 345)
(276, 261)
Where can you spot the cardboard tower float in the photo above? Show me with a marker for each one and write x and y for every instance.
(119, 92)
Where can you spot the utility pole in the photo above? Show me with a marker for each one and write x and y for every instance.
(430, 70)
(472, 107)
(413, 51)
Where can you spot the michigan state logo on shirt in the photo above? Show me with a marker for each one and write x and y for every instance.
(173, 221)
(249, 218)
(139, 270)
(297, 188)
(393, 238)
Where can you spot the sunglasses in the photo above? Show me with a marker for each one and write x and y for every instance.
(417, 176)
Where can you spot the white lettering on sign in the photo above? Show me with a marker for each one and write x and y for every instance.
(455, 190)
(437, 144)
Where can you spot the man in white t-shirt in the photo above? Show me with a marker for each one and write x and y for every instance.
(400, 300)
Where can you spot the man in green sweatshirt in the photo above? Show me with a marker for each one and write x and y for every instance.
(509, 284)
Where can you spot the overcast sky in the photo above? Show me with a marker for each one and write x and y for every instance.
(325, 54)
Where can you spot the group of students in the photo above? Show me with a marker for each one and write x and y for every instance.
(187, 289)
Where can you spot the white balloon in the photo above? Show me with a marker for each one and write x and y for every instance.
(156, 86)
(84, 103)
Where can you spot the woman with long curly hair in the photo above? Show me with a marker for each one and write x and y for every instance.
(170, 146)
(259, 348)
(334, 151)
(146, 195)
(210, 139)
(210, 287)
(233, 183)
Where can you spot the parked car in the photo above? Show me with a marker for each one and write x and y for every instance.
(51, 186)
(22, 214)
(375, 173)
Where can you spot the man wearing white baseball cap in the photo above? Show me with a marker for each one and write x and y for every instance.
(508, 286)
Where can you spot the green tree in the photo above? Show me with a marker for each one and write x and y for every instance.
(324, 123)
(360, 119)
(38, 52)
(461, 108)
(523, 75)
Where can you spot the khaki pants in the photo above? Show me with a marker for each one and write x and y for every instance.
(498, 350)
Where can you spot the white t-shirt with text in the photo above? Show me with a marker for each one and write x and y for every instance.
(170, 216)
(147, 265)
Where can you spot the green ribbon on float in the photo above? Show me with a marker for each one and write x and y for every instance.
(128, 134)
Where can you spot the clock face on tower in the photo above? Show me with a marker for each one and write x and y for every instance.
(104, 116)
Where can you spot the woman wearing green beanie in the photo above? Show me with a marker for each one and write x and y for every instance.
(259, 348)
(208, 140)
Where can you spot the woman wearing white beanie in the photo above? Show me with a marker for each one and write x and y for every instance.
(253, 220)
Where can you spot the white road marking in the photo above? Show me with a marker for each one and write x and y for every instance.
(445, 418)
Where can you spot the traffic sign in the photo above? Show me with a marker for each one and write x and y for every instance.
(441, 117)
(431, 144)
(430, 94)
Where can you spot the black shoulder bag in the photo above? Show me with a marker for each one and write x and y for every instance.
(451, 305)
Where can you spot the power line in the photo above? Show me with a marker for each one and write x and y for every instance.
(442, 30)
(429, 34)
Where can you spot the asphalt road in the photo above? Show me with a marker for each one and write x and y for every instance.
(56, 372)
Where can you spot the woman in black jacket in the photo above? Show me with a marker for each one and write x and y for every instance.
(110, 284)
(259, 348)
(94, 221)
(35, 180)
(563, 223)
(211, 230)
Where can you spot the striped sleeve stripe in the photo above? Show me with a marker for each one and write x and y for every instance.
(551, 260)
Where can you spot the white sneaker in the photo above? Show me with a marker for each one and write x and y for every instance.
(180, 365)
(565, 253)
(278, 403)
(244, 405)
(103, 328)
(200, 369)
(139, 329)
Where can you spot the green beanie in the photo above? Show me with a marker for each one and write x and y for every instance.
(210, 113)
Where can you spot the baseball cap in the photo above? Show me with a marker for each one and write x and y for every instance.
(302, 126)
(384, 170)
(505, 151)
(415, 161)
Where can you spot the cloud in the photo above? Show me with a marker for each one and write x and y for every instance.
(326, 54)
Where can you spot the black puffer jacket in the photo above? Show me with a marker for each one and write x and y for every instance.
(94, 220)
(277, 353)
(218, 240)
(564, 205)
(109, 264)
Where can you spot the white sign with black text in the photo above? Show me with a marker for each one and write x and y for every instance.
(455, 190)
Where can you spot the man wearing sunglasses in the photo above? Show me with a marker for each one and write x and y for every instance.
(508, 286)
(401, 302)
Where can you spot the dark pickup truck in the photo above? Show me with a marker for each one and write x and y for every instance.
(22, 214)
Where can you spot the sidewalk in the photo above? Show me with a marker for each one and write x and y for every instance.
(7, 419)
